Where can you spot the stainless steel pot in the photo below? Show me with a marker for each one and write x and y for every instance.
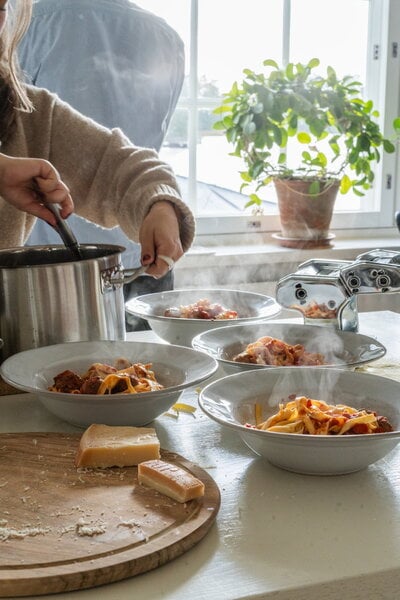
(47, 297)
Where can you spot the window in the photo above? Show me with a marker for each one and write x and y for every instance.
(356, 37)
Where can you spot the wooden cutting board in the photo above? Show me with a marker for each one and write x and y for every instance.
(64, 529)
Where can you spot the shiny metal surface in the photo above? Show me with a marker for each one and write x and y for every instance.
(325, 291)
(48, 298)
(65, 232)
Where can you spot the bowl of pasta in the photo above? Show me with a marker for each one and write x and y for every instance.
(108, 382)
(259, 345)
(177, 316)
(316, 421)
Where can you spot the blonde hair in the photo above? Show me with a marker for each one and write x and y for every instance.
(13, 95)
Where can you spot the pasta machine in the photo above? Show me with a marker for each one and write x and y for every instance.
(325, 291)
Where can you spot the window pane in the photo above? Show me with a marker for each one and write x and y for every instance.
(230, 40)
(309, 38)
(233, 36)
(345, 49)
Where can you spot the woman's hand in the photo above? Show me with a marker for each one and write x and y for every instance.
(159, 237)
(27, 183)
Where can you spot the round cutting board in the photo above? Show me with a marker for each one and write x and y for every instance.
(63, 529)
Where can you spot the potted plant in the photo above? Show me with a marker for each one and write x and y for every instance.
(329, 119)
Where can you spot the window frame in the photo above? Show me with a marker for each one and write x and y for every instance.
(383, 83)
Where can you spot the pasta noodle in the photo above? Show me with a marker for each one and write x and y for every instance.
(271, 351)
(303, 415)
(122, 378)
(202, 309)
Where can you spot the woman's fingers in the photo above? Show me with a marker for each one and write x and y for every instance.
(160, 240)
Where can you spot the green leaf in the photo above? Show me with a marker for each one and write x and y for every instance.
(331, 73)
(256, 199)
(388, 146)
(267, 180)
(314, 62)
(245, 176)
(218, 125)
(270, 63)
(353, 156)
(317, 127)
(345, 184)
(221, 109)
(253, 199)
(282, 158)
(277, 135)
(231, 135)
(249, 128)
(364, 142)
(258, 108)
(335, 147)
(315, 188)
(290, 71)
(256, 169)
(304, 138)
(396, 124)
(368, 105)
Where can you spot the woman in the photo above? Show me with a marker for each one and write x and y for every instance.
(111, 181)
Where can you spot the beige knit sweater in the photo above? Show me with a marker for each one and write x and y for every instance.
(112, 182)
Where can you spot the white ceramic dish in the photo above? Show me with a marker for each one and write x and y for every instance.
(249, 305)
(230, 401)
(177, 368)
(340, 348)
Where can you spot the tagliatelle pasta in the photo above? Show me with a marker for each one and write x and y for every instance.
(303, 415)
(272, 351)
(122, 378)
(202, 309)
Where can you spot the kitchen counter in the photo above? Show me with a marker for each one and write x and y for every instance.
(278, 535)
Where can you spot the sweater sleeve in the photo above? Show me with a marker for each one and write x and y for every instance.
(112, 182)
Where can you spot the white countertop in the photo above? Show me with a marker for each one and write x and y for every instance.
(278, 535)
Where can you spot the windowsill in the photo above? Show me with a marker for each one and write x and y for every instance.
(259, 248)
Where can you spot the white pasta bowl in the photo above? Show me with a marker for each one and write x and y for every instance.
(175, 367)
(231, 400)
(339, 348)
(250, 307)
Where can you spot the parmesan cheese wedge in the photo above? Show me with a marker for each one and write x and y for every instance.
(106, 446)
(171, 480)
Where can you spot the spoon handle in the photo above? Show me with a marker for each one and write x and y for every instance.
(65, 231)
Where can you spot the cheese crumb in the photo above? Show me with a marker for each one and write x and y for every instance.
(88, 529)
(7, 533)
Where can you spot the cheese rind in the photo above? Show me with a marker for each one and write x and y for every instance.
(171, 480)
(104, 446)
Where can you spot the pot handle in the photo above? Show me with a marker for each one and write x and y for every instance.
(114, 278)
(131, 274)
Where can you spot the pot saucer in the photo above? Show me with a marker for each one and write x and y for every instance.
(325, 242)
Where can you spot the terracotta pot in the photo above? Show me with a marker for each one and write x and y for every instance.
(302, 216)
